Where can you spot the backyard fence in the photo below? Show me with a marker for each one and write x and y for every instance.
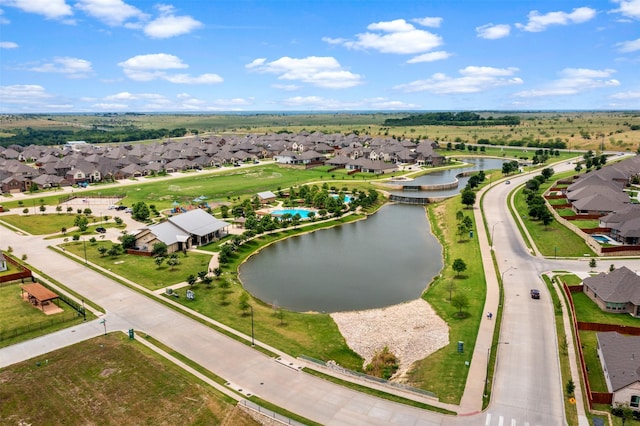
(36, 326)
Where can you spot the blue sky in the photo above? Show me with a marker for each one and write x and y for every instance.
(323, 55)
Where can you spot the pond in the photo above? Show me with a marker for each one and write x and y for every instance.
(386, 259)
(449, 176)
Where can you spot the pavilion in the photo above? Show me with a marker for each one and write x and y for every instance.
(38, 295)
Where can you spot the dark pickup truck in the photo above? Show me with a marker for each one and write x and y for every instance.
(535, 294)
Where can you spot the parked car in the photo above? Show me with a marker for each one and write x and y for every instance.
(111, 207)
(507, 182)
(101, 230)
(535, 294)
(128, 210)
(121, 207)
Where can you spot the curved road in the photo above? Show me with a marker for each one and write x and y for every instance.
(526, 391)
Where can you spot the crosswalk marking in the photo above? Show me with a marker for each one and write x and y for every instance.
(501, 421)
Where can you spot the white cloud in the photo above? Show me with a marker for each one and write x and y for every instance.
(169, 25)
(286, 87)
(111, 12)
(72, 67)
(50, 9)
(110, 106)
(626, 95)
(629, 8)
(539, 22)
(319, 71)
(493, 32)
(398, 36)
(126, 96)
(433, 22)
(572, 81)
(153, 61)
(629, 46)
(3, 20)
(23, 94)
(8, 45)
(188, 79)
(430, 57)
(473, 79)
(153, 67)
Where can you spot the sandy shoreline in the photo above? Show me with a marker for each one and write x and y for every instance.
(412, 331)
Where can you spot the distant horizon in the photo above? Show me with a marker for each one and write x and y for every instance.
(241, 56)
(315, 112)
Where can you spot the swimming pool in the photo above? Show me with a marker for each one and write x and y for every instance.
(347, 198)
(602, 239)
(302, 212)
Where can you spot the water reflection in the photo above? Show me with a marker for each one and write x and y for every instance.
(387, 259)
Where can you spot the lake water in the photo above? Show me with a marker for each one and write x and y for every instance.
(386, 259)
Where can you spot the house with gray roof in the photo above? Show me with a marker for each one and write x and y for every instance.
(181, 232)
(619, 356)
(616, 292)
(624, 224)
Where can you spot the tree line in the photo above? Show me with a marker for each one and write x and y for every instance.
(30, 136)
(453, 119)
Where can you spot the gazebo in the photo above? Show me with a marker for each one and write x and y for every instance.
(38, 295)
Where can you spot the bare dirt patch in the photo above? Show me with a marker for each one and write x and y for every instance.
(412, 331)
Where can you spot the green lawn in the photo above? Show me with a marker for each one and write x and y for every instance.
(20, 320)
(554, 238)
(141, 269)
(557, 201)
(594, 369)
(588, 311)
(586, 224)
(444, 372)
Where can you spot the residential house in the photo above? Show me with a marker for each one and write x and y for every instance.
(619, 356)
(183, 231)
(615, 292)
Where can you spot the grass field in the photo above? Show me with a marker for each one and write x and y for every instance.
(554, 239)
(445, 372)
(579, 130)
(141, 269)
(109, 380)
(19, 320)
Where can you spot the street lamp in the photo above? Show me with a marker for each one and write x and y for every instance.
(252, 340)
(486, 382)
(507, 270)
(84, 244)
(493, 228)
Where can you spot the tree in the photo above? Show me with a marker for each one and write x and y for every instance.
(102, 250)
(63, 230)
(159, 249)
(592, 263)
(243, 303)
(546, 218)
(127, 240)
(173, 261)
(202, 275)
(140, 211)
(59, 208)
(191, 279)
(217, 272)
(158, 261)
(81, 222)
(468, 197)
(460, 301)
(207, 281)
(459, 266)
(114, 250)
